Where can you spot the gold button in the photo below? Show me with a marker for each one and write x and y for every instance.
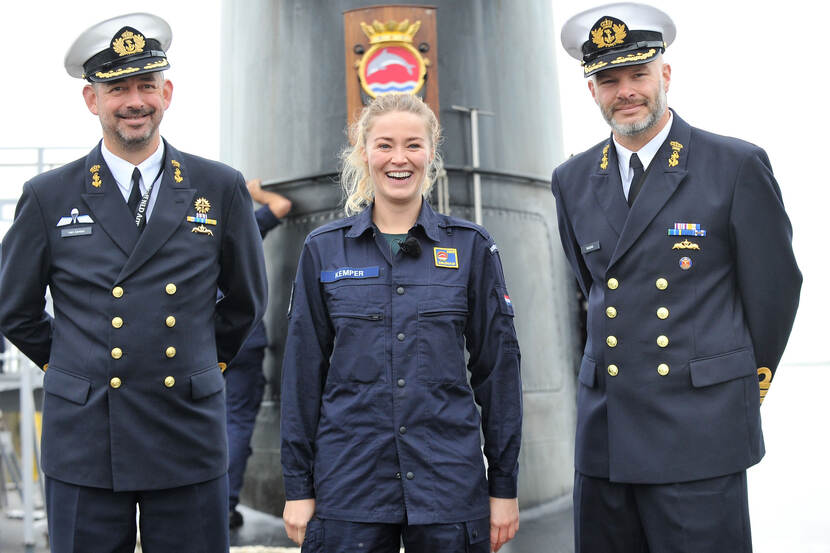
(613, 283)
(611, 312)
(117, 322)
(611, 341)
(613, 370)
(169, 381)
(170, 352)
(663, 369)
(170, 288)
(170, 321)
(117, 291)
(223, 366)
(115, 382)
(662, 341)
(662, 283)
(116, 353)
(662, 313)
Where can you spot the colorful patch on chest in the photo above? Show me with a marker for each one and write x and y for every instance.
(446, 257)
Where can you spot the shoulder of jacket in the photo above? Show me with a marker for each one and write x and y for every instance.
(59, 176)
(736, 146)
(338, 225)
(449, 222)
(591, 156)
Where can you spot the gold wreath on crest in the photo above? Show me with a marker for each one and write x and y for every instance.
(608, 34)
(128, 43)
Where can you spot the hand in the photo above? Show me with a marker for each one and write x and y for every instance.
(296, 515)
(277, 203)
(504, 521)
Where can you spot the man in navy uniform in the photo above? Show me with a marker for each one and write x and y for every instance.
(679, 240)
(133, 242)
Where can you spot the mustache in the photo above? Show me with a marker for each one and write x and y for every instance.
(135, 112)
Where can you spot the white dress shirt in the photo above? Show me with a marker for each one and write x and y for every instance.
(646, 154)
(122, 171)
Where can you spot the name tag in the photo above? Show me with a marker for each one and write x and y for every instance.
(349, 272)
(75, 231)
(592, 247)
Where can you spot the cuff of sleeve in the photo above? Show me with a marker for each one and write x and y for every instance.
(298, 487)
(502, 485)
(266, 218)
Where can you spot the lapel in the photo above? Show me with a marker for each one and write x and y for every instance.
(660, 184)
(169, 211)
(104, 199)
(607, 186)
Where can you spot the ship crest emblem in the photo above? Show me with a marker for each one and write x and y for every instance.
(391, 64)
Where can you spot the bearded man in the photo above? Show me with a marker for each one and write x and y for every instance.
(133, 240)
(679, 240)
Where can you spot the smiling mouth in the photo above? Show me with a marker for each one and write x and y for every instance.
(399, 175)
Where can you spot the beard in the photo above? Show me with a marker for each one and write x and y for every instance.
(131, 139)
(656, 109)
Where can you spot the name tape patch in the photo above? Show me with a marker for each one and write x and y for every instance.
(349, 272)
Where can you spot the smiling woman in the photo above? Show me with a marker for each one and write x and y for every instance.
(386, 392)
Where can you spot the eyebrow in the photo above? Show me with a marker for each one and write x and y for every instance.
(411, 138)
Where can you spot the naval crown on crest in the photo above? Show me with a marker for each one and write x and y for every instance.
(391, 31)
(609, 33)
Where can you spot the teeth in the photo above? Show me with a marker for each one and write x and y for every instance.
(399, 174)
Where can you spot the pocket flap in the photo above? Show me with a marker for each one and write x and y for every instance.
(478, 530)
(68, 386)
(722, 368)
(588, 371)
(456, 304)
(206, 383)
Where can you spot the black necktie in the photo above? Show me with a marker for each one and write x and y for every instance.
(637, 181)
(135, 193)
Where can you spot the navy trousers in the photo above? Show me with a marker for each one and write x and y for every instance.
(189, 519)
(338, 536)
(704, 516)
(244, 385)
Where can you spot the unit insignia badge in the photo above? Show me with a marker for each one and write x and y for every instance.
(685, 263)
(391, 64)
(202, 206)
(446, 257)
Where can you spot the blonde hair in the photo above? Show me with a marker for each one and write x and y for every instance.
(355, 180)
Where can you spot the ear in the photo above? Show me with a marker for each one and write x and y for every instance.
(666, 69)
(592, 88)
(167, 92)
(91, 99)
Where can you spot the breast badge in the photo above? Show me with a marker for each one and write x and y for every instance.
(685, 263)
(446, 257)
(685, 245)
(202, 206)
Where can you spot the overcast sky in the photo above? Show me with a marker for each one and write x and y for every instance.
(751, 69)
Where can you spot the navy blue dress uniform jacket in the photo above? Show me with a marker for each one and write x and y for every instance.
(668, 386)
(134, 392)
(379, 422)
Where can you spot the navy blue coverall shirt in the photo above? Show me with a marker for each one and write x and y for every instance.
(379, 422)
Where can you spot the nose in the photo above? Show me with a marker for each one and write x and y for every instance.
(625, 89)
(134, 99)
(399, 156)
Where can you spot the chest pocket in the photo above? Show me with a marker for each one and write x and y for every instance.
(441, 324)
(360, 347)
